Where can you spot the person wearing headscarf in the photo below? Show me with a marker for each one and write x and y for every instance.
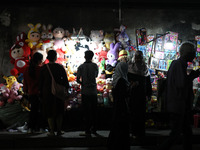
(119, 133)
(139, 78)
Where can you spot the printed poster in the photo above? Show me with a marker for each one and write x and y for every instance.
(170, 41)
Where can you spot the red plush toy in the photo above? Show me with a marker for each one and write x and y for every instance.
(19, 54)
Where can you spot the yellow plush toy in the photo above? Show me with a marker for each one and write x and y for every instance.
(34, 36)
(10, 80)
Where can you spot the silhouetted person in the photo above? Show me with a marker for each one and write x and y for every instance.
(179, 98)
(31, 89)
(86, 76)
(119, 134)
(53, 106)
(139, 78)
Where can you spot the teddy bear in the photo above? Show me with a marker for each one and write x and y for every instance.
(46, 37)
(20, 55)
(34, 37)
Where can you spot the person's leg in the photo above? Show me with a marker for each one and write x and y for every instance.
(187, 132)
(51, 122)
(33, 114)
(176, 121)
(93, 114)
(59, 121)
(86, 105)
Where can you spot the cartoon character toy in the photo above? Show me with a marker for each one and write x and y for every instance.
(20, 55)
(59, 44)
(34, 37)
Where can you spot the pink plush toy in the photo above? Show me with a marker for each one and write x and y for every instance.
(59, 44)
(12, 94)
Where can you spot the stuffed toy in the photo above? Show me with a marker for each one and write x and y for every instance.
(9, 81)
(113, 54)
(123, 38)
(12, 94)
(97, 40)
(34, 37)
(20, 55)
(108, 39)
(100, 85)
(108, 88)
(46, 37)
(112, 59)
(59, 44)
(2, 88)
(123, 55)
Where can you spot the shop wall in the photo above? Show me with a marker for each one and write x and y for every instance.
(156, 20)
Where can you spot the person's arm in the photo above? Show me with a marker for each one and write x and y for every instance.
(78, 76)
(97, 70)
(25, 84)
(179, 75)
(64, 77)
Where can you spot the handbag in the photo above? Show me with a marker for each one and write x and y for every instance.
(58, 90)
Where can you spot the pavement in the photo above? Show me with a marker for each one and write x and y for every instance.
(71, 140)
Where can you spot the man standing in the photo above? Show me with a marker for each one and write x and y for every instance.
(86, 76)
(180, 97)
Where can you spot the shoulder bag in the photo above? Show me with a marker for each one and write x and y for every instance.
(58, 90)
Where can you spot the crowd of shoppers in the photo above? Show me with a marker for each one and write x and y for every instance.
(131, 88)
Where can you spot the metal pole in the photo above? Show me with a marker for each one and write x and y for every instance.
(120, 12)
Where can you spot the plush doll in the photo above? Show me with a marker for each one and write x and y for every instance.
(108, 39)
(97, 40)
(2, 88)
(100, 85)
(59, 44)
(9, 81)
(34, 37)
(108, 88)
(123, 38)
(12, 94)
(113, 54)
(20, 55)
(46, 37)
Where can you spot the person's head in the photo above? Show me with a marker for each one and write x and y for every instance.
(89, 55)
(52, 55)
(35, 61)
(138, 56)
(187, 51)
(37, 58)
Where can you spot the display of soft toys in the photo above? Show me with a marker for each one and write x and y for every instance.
(34, 37)
(19, 54)
(59, 44)
(96, 44)
(12, 94)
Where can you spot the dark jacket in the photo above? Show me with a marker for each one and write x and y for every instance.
(179, 87)
(52, 105)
